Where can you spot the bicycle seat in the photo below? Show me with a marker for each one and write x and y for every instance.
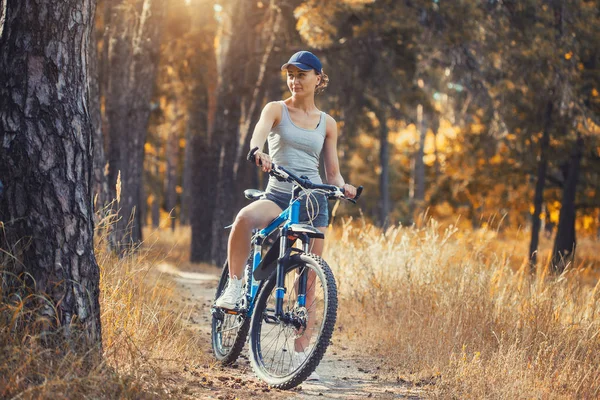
(253, 194)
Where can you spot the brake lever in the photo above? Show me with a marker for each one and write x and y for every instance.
(251, 155)
(252, 158)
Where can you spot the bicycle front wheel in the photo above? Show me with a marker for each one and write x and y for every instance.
(285, 351)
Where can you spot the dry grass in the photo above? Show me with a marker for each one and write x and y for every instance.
(459, 310)
(442, 306)
(144, 337)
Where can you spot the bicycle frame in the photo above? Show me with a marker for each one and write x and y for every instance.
(288, 217)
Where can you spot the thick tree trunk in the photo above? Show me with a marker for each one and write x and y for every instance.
(203, 149)
(203, 203)
(227, 123)
(384, 163)
(565, 241)
(46, 160)
(538, 197)
(132, 63)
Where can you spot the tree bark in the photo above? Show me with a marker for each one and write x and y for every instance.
(565, 241)
(132, 63)
(538, 197)
(46, 161)
(2, 15)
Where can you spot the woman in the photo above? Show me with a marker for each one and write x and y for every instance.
(297, 133)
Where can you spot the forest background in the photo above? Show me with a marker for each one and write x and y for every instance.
(473, 125)
(483, 110)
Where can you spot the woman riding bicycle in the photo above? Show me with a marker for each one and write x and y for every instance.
(297, 132)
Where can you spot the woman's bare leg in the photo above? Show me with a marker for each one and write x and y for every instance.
(253, 216)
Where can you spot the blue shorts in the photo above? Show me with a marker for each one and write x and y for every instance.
(314, 210)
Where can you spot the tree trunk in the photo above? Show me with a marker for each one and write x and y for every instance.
(418, 172)
(156, 197)
(565, 241)
(186, 184)
(203, 150)
(227, 124)
(172, 160)
(46, 161)
(132, 63)
(538, 197)
(100, 183)
(254, 102)
(384, 162)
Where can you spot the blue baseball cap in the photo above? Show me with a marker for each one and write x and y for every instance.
(305, 60)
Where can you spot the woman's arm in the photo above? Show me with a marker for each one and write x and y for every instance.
(330, 157)
(269, 118)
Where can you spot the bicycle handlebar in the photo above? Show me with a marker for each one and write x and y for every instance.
(282, 174)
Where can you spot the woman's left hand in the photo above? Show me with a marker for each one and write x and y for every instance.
(349, 191)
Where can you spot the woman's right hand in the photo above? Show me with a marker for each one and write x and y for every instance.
(263, 160)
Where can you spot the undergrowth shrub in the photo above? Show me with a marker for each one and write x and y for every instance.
(461, 310)
(143, 334)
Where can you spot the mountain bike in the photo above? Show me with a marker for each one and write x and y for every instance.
(289, 302)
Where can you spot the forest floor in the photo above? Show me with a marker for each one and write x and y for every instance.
(345, 372)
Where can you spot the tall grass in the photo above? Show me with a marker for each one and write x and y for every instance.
(460, 310)
(143, 333)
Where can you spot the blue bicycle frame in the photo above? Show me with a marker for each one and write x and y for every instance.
(284, 221)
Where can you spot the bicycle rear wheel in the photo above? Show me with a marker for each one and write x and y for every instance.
(285, 352)
(228, 331)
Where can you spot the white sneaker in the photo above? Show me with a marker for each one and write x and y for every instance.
(231, 295)
(297, 360)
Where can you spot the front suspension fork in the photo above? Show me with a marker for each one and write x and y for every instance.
(280, 279)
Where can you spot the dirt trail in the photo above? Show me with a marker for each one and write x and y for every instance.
(344, 375)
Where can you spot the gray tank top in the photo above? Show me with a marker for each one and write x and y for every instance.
(296, 149)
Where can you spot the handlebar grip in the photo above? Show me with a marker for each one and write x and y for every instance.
(358, 192)
(251, 155)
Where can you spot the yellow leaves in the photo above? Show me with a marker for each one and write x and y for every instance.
(496, 159)
(314, 22)
(568, 55)
(477, 128)
(149, 149)
(182, 143)
(594, 92)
